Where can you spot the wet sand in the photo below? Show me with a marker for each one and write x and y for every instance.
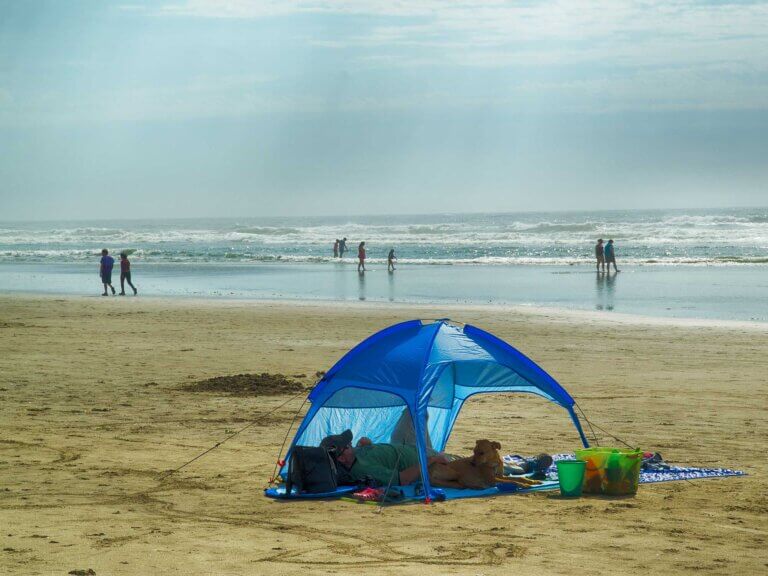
(96, 405)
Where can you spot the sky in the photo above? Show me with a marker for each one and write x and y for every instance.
(196, 108)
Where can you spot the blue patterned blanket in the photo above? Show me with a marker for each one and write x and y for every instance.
(663, 473)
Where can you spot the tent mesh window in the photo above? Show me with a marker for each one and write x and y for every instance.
(370, 413)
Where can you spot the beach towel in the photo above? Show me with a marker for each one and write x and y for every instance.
(668, 473)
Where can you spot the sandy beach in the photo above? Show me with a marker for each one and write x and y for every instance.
(96, 408)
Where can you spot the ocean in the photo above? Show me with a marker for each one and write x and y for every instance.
(678, 263)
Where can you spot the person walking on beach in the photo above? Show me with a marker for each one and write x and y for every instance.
(361, 257)
(342, 247)
(336, 248)
(610, 256)
(125, 274)
(600, 254)
(105, 270)
(391, 260)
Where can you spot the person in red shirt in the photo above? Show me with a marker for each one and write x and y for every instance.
(125, 274)
(361, 257)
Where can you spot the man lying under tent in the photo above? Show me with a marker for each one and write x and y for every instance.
(375, 462)
(369, 463)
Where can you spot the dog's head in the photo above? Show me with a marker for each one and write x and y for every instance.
(486, 453)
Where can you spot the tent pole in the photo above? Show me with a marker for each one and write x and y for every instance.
(422, 452)
(578, 426)
(419, 423)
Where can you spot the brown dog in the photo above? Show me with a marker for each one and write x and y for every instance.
(483, 469)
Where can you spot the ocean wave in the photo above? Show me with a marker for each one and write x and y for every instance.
(551, 228)
(235, 257)
(258, 231)
(542, 235)
(731, 236)
(714, 220)
(702, 219)
(715, 231)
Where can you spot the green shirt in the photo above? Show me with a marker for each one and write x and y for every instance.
(379, 460)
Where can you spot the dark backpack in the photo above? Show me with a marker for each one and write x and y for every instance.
(311, 470)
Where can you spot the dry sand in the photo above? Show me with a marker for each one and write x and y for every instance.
(94, 409)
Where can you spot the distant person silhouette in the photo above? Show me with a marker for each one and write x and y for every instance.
(610, 256)
(336, 248)
(125, 274)
(361, 257)
(342, 247)
(600, 254)
(391, 260)
(105, 270)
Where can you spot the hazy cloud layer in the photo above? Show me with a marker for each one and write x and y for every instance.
(330, 105)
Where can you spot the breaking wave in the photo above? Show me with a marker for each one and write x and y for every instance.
(716, 237)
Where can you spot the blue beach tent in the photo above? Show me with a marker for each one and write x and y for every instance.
(430, 369)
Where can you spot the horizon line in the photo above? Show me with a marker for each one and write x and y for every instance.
(391, 214)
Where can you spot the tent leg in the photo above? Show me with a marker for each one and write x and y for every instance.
(578, 427)
(422, 452)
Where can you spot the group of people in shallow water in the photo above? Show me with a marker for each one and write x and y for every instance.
(605, 255)
(340, 246)
(105, 271)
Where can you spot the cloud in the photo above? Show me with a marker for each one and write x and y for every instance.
(496, 20)
(536, 33)
(556, 56)
(495, 33)
(250, 9)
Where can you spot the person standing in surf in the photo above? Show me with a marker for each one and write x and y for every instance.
(336, 248)
(342, 247)
(391, 260)
(600, 254)
(361, 257)
(610, 256)
(125, 274)
(105, 270)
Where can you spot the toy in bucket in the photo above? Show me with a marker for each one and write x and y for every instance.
(570, 474)
(611, 471)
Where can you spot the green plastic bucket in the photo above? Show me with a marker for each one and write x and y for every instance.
(570, 473)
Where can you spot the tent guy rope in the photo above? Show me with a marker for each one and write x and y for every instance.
(252, 423)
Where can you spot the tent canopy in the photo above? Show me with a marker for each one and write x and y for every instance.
(419, 374)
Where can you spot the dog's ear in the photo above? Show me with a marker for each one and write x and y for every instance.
(496, 445)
